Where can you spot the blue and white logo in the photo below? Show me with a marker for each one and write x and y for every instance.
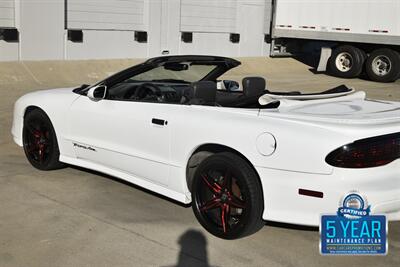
(354, 206)
(352, 230)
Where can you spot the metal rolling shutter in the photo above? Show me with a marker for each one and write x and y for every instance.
(105, 14)
(208, 16)
(7, 13)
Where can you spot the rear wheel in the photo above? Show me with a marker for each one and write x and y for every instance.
(383, 65)
(346, 61)
(40, 142)
(227, 196)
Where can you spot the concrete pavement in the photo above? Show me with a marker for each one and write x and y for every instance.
(75, 217)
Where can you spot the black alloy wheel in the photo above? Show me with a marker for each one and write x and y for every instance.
(227, 197)
(40, 142)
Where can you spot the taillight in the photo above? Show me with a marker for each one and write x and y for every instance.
(367, 153)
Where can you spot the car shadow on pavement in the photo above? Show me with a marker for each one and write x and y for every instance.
(193, 245)
(193, 250)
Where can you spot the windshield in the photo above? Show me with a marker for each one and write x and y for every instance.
(185, 72)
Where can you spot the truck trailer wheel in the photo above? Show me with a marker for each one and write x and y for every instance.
(346, 61)
(383, 65)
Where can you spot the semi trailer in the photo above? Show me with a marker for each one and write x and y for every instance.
(354, 37)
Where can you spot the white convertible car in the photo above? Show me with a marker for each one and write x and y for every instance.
(239, 154)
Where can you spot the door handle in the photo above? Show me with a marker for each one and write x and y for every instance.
(159, 121)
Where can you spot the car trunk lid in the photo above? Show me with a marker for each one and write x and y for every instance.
(351, 109)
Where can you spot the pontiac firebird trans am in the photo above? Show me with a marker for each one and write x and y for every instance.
(240, 154)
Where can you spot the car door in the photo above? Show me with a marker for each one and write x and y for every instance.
(128, 136)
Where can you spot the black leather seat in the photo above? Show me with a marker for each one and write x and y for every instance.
(201, 93)
(253, 88)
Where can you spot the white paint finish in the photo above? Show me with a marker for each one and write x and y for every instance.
(359, 16)
(384, 15)
(128, 177)
(7, 13)
(106, 45)
(209, 44)
(41, 30)
(208, 16)
(133, 144)
(8, 51)
(106, 14)
(298, 161)
(266, 144)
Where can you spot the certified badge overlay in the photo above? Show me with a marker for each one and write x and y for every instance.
(352, 230)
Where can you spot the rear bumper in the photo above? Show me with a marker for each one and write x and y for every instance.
(283, 203)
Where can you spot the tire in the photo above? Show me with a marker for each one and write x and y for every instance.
(383, 65)
(346, 61)
(364, 58)
(227, 198)
(40, 141)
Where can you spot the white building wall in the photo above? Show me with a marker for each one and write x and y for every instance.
(102, 44)
(109, 26)
(8, 51)
(41, 27)
(208, 16)
(7, 13)
(205, 43)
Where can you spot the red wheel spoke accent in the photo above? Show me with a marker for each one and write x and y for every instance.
(215, 188)
(224, 217)
(32, 148)
(211, 204)
(237, 203)
(33, 131)
(37, 134)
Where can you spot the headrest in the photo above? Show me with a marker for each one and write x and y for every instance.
(204, 92)
(253, 86)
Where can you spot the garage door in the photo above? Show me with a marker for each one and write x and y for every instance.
(208, 16)
(7, 13)
(105, 14)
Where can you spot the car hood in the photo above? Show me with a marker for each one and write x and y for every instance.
(350, 110)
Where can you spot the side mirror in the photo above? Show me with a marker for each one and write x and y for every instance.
(231, 86)
(97, 93)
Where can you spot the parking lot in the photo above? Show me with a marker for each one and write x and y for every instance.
(76, 217)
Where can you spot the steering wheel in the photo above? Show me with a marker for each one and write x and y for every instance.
(143, 89)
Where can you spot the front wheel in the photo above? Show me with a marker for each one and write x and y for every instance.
(227, 198)
(40, 142)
